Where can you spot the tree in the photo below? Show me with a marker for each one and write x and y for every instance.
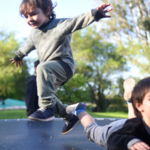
(12, 79)
(74, 90)
(129, 27)
(98, 60)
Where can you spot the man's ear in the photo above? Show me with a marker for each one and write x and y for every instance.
(139, 106)
(48, 12)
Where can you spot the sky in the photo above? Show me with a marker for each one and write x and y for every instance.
(11, 21)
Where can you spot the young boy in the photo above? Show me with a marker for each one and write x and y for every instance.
(123, 134)
(51, 38)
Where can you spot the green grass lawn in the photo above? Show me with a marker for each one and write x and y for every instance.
(19, 114)
(13, 114)
(108, 114)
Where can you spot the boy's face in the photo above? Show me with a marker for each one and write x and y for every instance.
(36, 18)
(144, 108)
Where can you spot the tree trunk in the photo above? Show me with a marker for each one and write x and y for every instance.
(98, 102)
(3, 102)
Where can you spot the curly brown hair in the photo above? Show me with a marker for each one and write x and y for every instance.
(139, 92)
(29, 5)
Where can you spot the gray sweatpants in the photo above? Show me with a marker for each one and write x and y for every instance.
(50, 75)
(100, 134)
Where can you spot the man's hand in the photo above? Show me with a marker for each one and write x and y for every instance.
(140, 146)
(21, 63)
(103, 11)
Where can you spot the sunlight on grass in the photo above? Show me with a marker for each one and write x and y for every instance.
(108, 114)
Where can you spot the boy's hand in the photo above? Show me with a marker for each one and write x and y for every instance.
(140, 146)
(21, 62)
(102, 10)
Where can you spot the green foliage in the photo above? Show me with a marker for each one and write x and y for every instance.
(129, 27)
(12, 79)
(74, 90)
(117, 103)
(120, 81)
(116, 107)
(146, 24)
(98, 60)
(137, 55)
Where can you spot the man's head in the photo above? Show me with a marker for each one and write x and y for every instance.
(141, 98)
(37, 12)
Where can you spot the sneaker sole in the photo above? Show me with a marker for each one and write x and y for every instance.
(43, 120)
(128, 85)
(78, 122)
(73, 107)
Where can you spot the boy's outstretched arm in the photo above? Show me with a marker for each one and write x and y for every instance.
(102, 9)
(83, 20)
(17, 60)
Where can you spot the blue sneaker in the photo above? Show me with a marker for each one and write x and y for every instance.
(43, 114)
(70, 125)
(72, 109)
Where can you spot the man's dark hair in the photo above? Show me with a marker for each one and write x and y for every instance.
(36, 63)
(139, 92)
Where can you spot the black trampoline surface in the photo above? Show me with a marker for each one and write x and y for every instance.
(25, 134)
